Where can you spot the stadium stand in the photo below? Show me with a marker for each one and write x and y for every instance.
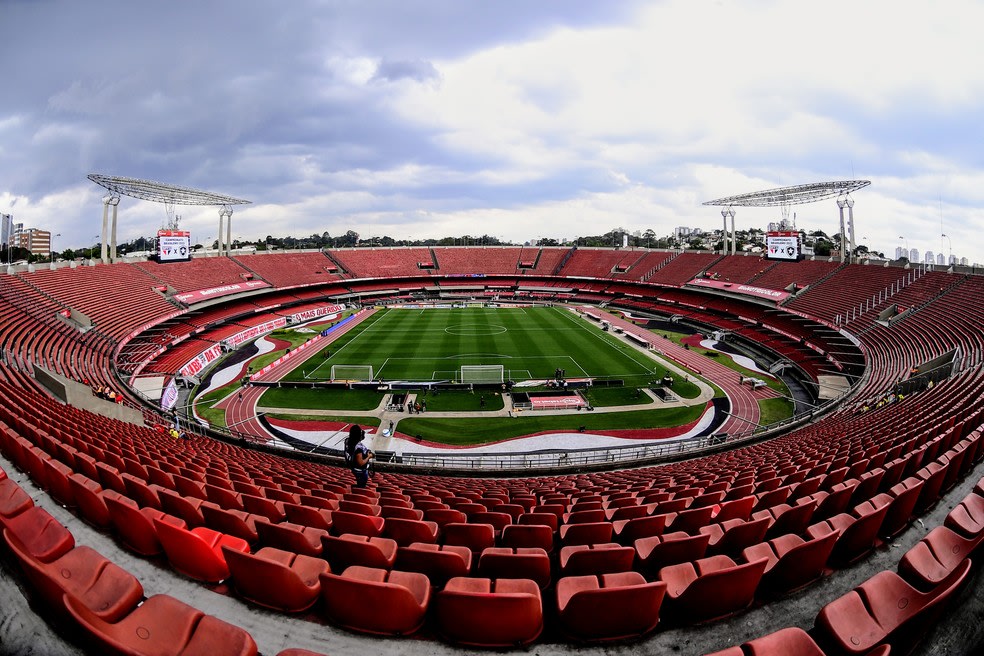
(827, 494)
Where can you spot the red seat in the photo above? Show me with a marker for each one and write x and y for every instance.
(516, 563)
(792, 561)
(274, 578)
(231, 522)
(787, 519)
(57, 474)
(732, 535)
(89, 500)
(792, 641)
(586, 533)
(596, 559)
(162, 625)
(627, 531)
(407, 531)
(967, 518)
(935, 558)
(858, 531)
(482, 612)
(669, 549)
(608, 607)
(710, 588)
(439, 563)
(135, 526)
(197, 553)
(145, 495)
(348, 550)
(13, 500)
(476, 537)
(528, 535)
(269, 508)
(904, 496)
(109, 591)
(376, 600)
(38, 534)
(315, 517)
(343, 522)
(291, 537)
(540, 519)
(187, 508)
(885, 609)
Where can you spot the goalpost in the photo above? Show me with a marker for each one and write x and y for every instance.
(482, 373)
(351, 372)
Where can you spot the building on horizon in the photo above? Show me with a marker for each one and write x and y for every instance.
(34, 240)
(930, 258)
(913, 254)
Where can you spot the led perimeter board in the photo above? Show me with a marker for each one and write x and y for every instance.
(173, 245)
(783, 245)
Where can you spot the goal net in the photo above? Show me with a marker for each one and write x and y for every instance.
(482, 373)
(351, 372)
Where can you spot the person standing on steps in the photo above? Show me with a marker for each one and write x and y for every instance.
(358, 455)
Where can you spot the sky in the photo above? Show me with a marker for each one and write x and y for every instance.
(517, 119)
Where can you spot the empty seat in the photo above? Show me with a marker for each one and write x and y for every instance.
(532, 535)
(627, 531)
(36, 533)
(792, 561)
(275, 578)
(711, 587)
(345, 551)
(231, 522)
(609, 606)
(107, 590)
(732, 535)
(163, 625)
(586, 533)
(439, 563)
(935, 558)
(596, 559)
(659, 551)
(135, 526)
(885, 610)
(407, 531)
(516, 563)
(967, 518)
(343, 522)
(197, 553)
(291, 537)
(489, 613)
(375, 600)
(476, 537)
(13, 500)
(858, 531)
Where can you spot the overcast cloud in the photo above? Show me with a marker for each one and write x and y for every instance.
(513, 118)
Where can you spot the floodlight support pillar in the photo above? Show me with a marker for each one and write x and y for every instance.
(850, 221)
(225, 212)
(841, 204)
(734, 235)
(102, 241)
(112, 240)
(229, 232)
(724, 233)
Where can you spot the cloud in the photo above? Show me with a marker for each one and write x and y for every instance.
(416, 70)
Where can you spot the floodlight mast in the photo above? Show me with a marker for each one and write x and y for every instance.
(159, 192)
(784, 197)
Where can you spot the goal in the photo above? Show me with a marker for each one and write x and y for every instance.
(351, 372)
(482, 373)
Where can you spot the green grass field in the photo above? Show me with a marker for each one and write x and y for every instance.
(530, 343)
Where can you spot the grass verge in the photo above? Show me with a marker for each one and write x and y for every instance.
(482, 430)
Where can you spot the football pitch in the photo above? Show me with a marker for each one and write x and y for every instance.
(429, 345)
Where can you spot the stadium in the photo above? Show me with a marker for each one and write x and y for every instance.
(847, 526)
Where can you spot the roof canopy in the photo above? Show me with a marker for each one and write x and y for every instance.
(795, 195)
(161, 192)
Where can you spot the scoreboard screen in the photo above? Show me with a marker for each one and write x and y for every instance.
(783, 245)
(173, 245)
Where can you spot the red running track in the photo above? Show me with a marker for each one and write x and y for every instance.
(240, 407)
(744, 401)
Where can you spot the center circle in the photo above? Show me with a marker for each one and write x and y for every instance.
(475, 330)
